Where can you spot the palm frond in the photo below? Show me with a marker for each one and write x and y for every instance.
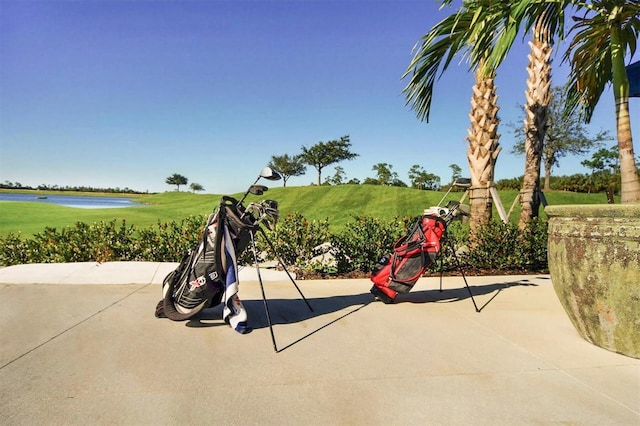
(469, 33)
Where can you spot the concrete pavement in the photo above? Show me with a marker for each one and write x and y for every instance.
(95, 354)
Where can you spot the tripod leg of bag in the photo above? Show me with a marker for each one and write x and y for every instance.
(455, 257)
(264, 297)
(441, 261)
(264, 234)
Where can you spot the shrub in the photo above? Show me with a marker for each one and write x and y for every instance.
(297, 240)
(102, 242)
(499, 246)
(168, 241)
(364, 242)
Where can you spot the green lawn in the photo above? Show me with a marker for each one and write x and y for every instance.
(337, 203)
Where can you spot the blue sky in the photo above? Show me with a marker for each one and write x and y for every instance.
(126, 93)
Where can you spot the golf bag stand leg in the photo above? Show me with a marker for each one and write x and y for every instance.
(264, 298)
(464, 277)
(273, 249)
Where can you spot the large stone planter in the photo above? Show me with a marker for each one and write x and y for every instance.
(594, 261)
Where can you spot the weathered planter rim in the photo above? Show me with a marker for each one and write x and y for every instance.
(594, 210)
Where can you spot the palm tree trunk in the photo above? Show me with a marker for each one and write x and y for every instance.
(538, 95)
(630, 182)
(484, 148)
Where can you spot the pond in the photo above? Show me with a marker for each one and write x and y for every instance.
(78, 201)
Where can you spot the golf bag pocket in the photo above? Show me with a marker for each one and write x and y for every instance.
(381, 281)
(196, 283)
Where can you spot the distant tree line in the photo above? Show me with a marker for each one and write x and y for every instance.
(43, 187)
(604, 176)
(324, 154)
(604, 166)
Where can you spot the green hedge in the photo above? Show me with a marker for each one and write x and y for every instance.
(305, 246)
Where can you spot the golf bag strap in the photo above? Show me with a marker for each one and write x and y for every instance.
(222, 216)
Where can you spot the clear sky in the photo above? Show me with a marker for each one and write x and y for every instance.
(125, 93)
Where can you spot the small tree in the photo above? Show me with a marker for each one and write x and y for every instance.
(384, 174)
(287, 166)
(337, 178)
(421, 179)
(177, 179)
(324, 154)
(605, 168)
(196, 187)
(456, 172)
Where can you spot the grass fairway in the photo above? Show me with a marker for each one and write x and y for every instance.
(337, 203)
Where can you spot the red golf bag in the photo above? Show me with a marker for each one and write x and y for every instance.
(412, 255)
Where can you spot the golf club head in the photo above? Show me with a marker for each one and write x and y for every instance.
(269, 174)
(258, 189)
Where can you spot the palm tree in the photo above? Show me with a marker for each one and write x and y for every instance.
(460, 33)
(604, 36)
(538, 95)
(484, 148)
(486, 30)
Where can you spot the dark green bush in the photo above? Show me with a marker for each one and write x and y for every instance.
(168, 241)
(364, 242)
(296, 238)
(505, 247)
(357, 249)
(102, 242)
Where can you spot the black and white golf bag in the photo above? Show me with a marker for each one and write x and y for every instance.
(207, 275)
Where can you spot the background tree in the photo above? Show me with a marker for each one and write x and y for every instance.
(605, 170)
(196, 187)
(384, 174)
(566, 134)
(176, 179)
(456, 172)
(337, 178)
(324, 154)
(370, 181)
(416, 174)
(287, 166)
(421, 179)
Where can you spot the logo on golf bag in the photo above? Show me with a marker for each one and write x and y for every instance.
(198, 282)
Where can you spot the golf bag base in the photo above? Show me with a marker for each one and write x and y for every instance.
(412, 255)
(381, 294)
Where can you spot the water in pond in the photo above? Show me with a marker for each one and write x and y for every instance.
(78, 201)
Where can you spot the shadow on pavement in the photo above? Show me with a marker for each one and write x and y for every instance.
(284, 311)
(289, 311)
(447, 295)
